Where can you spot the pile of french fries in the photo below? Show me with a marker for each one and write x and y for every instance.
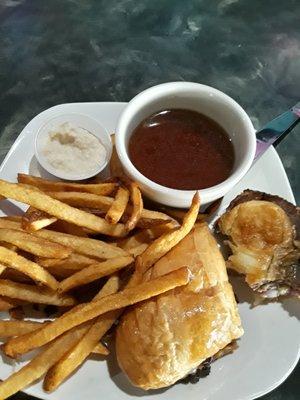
(70, 236)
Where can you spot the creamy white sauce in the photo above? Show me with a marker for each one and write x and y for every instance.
(71, 149)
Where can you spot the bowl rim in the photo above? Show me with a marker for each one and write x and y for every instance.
(69, 176)
(170, 88)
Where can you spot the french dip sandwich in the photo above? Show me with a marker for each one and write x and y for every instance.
(164, 339)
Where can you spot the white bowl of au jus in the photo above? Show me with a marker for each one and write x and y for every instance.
(179, 137)
(73, 146)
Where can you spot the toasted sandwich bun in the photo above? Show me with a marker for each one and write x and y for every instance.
(163, 339)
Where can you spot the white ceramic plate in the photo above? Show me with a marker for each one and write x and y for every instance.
(267, 352)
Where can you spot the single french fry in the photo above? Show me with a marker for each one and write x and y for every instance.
(74, 262)
(41, 363)
(155, 215)
(166, 242)
(94, 272)
(11, 224)
(81, 199)
(13, 218)
(27, 267)
(137, 206)
(34, 219)
(90, 247)
(34, 294)
(16, 276)
(85, 312)
(34, 245)
(138, 250)
(9, 328)
(58, 209)
(148, 223)
(9, 246)
(71, 229)
(118, 207)
(46, 185)
(61, 273)
(7, 303)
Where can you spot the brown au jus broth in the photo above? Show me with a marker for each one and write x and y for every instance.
(182, 149)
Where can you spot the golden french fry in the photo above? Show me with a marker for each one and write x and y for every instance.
(8, 246)
(16, 276)
(137, 206)
(46, 185)
(34, 294)
(90, 247)
(10, 224)
(98, 349)
(61, 273)
(155, 215)
(89, 342)
(74, 262)
(34, 245)
(94, 272)
(40, 364)
(27, 267)
(145, 223)
(85, 312)
(34, 219)
(166, 242)
(111, 286)
(71, 229)
(7, 304)
(9, 328)
(58, 209)
(81, 199)
(13, 218)
(138, 250)
(118, 207)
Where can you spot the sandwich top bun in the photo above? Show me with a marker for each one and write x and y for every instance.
(163, 339)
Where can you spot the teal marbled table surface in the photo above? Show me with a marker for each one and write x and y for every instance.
(60, 51)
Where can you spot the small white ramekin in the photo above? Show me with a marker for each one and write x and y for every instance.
(82, 121)
(192, 96)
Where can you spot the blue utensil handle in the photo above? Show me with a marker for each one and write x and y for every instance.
(275, 130)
